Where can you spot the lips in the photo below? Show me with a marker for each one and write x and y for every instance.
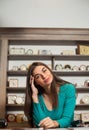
(46, 80)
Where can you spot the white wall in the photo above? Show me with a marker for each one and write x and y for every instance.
(44, 13)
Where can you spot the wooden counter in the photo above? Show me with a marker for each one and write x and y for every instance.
(77, 128)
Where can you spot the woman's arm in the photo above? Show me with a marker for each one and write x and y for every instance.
(67, 116)
(68, 112)
(38, 114)
(42, 120)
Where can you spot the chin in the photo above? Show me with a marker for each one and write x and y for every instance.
(49, 83)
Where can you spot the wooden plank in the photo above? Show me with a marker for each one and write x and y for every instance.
(3, 78)
(45, 33)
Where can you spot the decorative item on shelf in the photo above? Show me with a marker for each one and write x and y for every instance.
(58, 67)
(68, 52)
(29, 52)
(19, 100)
(28, 66)
(19, 118)
(23, 67)
(13, 83)
(86, 83)
(44, 52)
(67, 67)
(25, 118)
(15, 99)
(11, 117)
(12, 51)
(83, 49)
(82, 67)
(3, 123)
(85, 117)
(84, 99)
(79, 85)
(77, 123)
(11, 99)
(87, 67)
(14, 68)
(17, 51)
(35, 51)
(75, 68)
(32, 52)
(77, 116)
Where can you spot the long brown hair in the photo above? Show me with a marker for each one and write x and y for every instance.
(28, 108)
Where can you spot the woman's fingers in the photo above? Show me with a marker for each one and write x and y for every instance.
(47, 123)
(31, 80)
(34, 89)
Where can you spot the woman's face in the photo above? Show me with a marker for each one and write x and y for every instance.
(42, 76)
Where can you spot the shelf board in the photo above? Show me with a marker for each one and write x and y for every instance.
(22, 89)
(16, 89)
(14, 107)
(72, 57)
(82, 89)
(48, 57)
(21, 107)
(82, 107)
(40, 42)
(17, 73)
(71, 73)
(29, 57)
(60, 73)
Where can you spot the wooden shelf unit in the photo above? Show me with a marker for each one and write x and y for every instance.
(40, 37)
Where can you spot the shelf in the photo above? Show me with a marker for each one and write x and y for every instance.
(40, 42)
(48, 57)
(71, 73)
(40, 37)
(22, 89)
(71, 57)
(82, 89)
(14, 107)
(17, 73)
(60, 73)
(82, 107)
(29, 57)
(16, 90)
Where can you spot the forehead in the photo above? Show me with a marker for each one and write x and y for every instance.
(38, 69)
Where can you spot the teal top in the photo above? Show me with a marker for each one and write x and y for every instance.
(64, 113)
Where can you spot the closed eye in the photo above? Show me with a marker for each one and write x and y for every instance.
(44, 70)
(37, 76)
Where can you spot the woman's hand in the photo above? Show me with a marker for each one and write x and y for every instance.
(48, 123)
(34, 90)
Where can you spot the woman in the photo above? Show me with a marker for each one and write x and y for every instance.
(50, 101)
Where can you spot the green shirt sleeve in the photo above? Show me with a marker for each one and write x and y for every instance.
(70, 101)
(38, 113)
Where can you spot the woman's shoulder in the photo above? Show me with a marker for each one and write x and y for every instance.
(68, 88)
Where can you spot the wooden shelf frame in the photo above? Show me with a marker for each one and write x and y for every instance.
(38, 36)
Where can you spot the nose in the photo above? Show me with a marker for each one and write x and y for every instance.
(43, 76)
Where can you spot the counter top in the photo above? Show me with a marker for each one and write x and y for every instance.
(77, 128)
